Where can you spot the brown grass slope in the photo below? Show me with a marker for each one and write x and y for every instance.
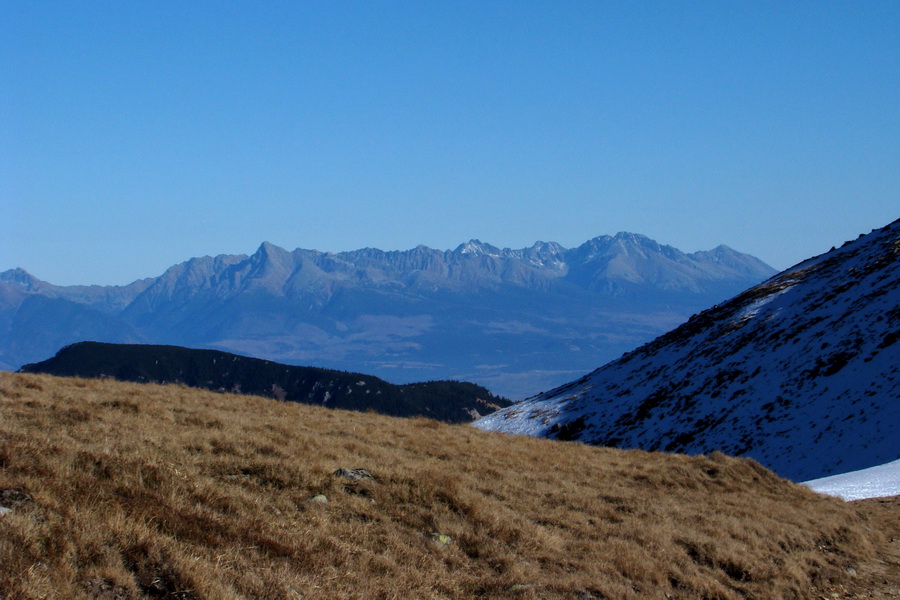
(137, 491)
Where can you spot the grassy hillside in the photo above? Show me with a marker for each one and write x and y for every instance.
(129, 491)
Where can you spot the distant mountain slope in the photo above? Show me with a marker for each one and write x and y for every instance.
(801, 372)
(450, 401)
(476, 313)
(42, 325)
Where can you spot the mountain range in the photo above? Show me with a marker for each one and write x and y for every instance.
(513, 320)
(801, 373)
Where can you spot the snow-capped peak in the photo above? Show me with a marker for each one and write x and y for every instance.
(478, 248)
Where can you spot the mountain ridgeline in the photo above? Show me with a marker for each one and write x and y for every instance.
(514, 320)
(448, 401)
(801, 373)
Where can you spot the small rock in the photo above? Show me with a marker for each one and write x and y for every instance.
(104, 589)
(14, 498)
(319, 499)
(353, 474)
(439, 540)
(4, 511)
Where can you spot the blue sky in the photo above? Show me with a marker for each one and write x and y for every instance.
(135, 135)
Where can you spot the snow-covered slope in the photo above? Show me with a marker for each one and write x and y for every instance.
(801, 372)
(874, 482)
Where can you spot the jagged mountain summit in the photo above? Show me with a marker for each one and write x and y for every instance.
(513, 320)
(801, 372)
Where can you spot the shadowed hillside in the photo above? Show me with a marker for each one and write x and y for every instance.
(118, 490)
(801, 373)
(450, 401)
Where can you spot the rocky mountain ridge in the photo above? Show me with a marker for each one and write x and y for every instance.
(801, 372)
(477, 312)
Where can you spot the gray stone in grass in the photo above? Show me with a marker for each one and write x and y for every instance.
(14, 498)
(319, 499)
(438, 540)
(353, 474)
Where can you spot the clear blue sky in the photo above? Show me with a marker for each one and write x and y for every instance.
(135, 135)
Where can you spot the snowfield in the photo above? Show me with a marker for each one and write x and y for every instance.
(874, 482)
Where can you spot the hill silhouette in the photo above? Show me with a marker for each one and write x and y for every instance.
(450, 401)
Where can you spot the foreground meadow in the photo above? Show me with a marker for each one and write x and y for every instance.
(128, 491)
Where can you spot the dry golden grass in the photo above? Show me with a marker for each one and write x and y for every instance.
(131, 491)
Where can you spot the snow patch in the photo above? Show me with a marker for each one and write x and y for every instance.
(874, 482)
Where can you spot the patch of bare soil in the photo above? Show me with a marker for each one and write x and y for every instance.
(878, 578)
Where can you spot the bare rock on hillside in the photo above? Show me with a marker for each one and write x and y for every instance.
(438, 540)
(354, 474)
(14, 498)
